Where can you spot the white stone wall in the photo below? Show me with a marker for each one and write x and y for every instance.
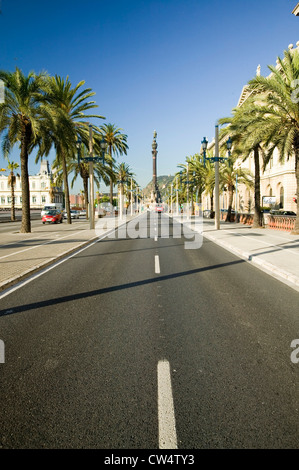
(39, 192)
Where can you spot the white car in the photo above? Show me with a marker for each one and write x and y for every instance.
(74, 214)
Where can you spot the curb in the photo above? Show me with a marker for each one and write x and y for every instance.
(271, 269)
(281, 275)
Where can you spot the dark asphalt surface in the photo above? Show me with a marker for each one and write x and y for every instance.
(82, 344)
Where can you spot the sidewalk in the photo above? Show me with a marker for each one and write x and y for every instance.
(275, 252)
(22, 254)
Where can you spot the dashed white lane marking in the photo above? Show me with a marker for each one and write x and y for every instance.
(166, 417)
(157, 264)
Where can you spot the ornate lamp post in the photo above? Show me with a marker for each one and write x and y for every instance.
(91, 159)
(216, 159)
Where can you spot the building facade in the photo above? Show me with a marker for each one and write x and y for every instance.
(42, 189)
(278, 180)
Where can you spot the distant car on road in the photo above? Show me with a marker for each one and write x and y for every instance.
(159, 208)
(74, 214)
(82, 213)
(51, 206)
(52, 217)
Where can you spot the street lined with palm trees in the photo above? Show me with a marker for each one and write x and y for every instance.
(135, 342)
(83, 350)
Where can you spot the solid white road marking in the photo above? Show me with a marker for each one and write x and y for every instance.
(166, 418)
(157, 264)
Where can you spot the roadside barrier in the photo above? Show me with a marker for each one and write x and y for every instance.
(280, 222)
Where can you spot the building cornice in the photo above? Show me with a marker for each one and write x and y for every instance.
(246, 92)
(296, 10)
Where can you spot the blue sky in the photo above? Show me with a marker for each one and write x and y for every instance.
(174, 66)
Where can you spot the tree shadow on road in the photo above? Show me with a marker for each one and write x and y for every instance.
(105, 290)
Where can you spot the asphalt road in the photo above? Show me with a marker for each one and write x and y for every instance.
(87, 346)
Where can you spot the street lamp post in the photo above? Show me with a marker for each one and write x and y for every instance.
(91, 180)
(216, 159)
(91, 159)
(188, 205)
(177, 196)
(236, 211)
(131, 196)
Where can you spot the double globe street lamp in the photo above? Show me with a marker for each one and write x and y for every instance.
(216, 159)
(91, 159)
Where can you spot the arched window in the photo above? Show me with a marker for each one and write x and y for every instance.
(281, 198)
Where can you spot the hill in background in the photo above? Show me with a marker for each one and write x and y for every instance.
(163, 182)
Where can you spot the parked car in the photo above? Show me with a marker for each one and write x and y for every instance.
(282, 212)
(52, 217)
(289, 213)
(82, 213)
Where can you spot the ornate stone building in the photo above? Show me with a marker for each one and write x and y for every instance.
(296, 10)
(278, 181)
(42, 189)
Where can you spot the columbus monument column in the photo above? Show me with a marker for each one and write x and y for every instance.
(155, 152)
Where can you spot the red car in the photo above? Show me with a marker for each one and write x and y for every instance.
(159, 208)
(52, 217)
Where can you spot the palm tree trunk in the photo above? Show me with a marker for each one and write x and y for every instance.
(121, 208)
(66, 189)
(192, 205)
(85, 188)
(257, 219)
(111, 191)
(212, 206)
(13, 212)
(230, 203)
(25, 140)
(296, 227)
(199, 193)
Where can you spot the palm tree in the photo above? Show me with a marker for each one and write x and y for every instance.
(228, 176)
(101, 172)
(66, 111)
(276, 111)
(198, 171)
(116, 145)
(210, 182)
(12, 181)
(245, 142)
(20, 121)
(124, 174)
(189, 179)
